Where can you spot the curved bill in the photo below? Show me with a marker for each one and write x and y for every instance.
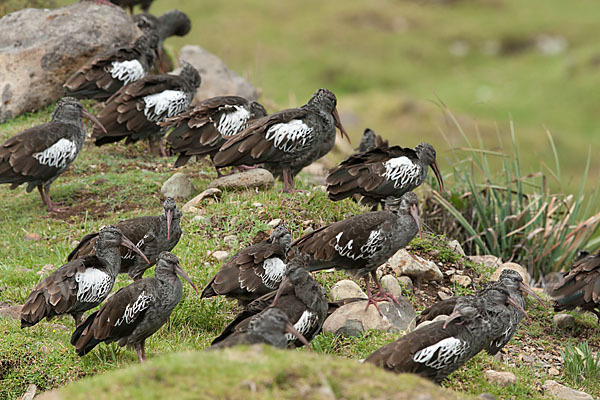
(414, 212)
(455, 315)
(515, 304)
(279, 290)
(179, 271)
(527, 289)
(438, 175)
(289, 328)
(130, 245)
(93, 119)
(169, 219)
(338, 124)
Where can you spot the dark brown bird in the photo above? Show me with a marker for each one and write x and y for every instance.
(288, 140)
(299, 296)
(579, 287)
(133, 112)
(360, 244)
(38, 155)
(79, 285)
(104, 74)
(381, 172)
(152, 235)
(203, 129)
(135, 312)
(370, 140)
(144, 4)
(253, 271)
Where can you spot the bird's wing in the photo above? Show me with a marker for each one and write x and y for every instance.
(443, 307)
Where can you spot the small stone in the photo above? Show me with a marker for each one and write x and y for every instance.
(563, 392)
(442, 295)
(307, 231)
(11, 312)
(390, 284)
(514, 266)
(500, 378)
(33, 236)
(403, 263)
(30, 392)
(208, 193)
(406, 283)
(46, 269)
(553, 371)
(526, 358)
(455, 245)
(564, 320)
(220, 255)
(177, 186)
(461, 280)
(254, 178)
(346, 289)
(201, 220)
(230, 240)
(44, 349)
(486, 396)
(257, 205)
(488, 261)
(274, 222)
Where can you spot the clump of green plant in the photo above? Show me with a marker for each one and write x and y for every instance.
(512, 215)
(580, 364)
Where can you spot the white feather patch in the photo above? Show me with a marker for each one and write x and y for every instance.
(444, 351)
(130, 253)
(93, 285)
(127, 71)
(274, 272)
(291, 136)
(168, 103)
(133, 310)
(402, 171)
(302, 326)
(233, 121)
(366, 251)
(58, 155)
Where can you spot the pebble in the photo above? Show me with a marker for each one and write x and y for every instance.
(201, 219)
(346, 289)
(257, 205)
(230, 240)
(254, 178)
(33, 237)
(563, 392)
(564, 320)
(443, 296)
(500, 378)
(487, 260)
(462, 280)
(553, 371)
(220, 255)
(455, 245)
(274, 222)
(406, 283)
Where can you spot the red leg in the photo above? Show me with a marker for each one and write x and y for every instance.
(382, 294)
(45, 193)
(370, 298)
(161, 146)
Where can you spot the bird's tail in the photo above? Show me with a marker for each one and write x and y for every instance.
(83, 338)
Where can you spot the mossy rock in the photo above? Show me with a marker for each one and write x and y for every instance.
(257, 372)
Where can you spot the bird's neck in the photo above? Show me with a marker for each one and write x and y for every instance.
(110, 259)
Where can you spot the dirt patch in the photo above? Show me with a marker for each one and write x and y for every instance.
(94, 205)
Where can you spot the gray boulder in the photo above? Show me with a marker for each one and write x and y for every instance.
(254, 178)
(178, 186)
(41, 48)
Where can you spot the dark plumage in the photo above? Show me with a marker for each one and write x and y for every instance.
(253, 271)
(134, 110)
(301, 298)
(144, 4)
(203, 129)
(104, 74)
(286, 141)
(360, 244)
(152, 235)
(79, 285)
(135, 312)
(579, 287)
(381, 172)
(38, 155)
(370, 140)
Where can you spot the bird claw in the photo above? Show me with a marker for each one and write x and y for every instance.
(373, 300)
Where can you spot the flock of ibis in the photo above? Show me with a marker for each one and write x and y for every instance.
(283, 305)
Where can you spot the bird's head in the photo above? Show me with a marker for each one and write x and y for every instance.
(257, 110)
(514, 282)
(170, 212)
(69, 110)
(111, 237)
(190, 74)
(168, 263)
(325, 100)
(427, 155)
(281, 235)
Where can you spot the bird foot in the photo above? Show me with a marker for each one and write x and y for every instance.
(385, 296)
(373, 300)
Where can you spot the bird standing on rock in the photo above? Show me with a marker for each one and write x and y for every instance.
(203, 129)
(253, 271)
(104, 74)
(152, 235)
(360, 244)
(38, 155)
(288, 140)
(135, 312)
(381, 172)
(79, 285)
(134, 110)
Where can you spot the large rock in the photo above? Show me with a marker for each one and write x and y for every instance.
(563, 392)
(515, 267)
(254, 178)
(217, 79)
(178, 186)
(346, 289)
(404, 263)
(11, 312)
(352, 319)
(41, 48)
(487, 260)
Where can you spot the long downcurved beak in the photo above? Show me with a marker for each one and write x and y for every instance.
(179, 271)
(438, 175)
(169, 219)
(93, 119)
(289, 328)
(455, 315)
(527, 289)
(279, 290)
(414, 212)
(130, 245)
(338, 124)
(515, 304)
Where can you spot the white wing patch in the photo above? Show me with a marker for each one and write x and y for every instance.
(302, 326)
(366, 251)
(165, 104)
(440, 354)
(291, 136)
(130, 254)
(274, 272)
(127, 71)
(133, 310)
(93, 285)
(402, 171)
(233, 121)
(57, 155)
